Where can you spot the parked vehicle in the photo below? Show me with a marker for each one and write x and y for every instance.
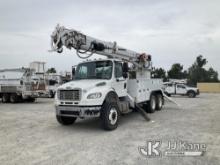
(105, 88)
(175, 88)
(17, 85)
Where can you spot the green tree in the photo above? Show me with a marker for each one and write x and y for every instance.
(51, 70)
(200, 61)
(197, 72)
(159, 73)
(176, 72)
(212, 75)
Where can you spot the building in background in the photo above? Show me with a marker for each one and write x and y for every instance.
(209, 87)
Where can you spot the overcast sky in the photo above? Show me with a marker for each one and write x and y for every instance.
(170, 30)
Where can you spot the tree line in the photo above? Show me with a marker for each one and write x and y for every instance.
(195, 73)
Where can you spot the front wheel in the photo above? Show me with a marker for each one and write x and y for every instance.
(64, 120)
(110, 115)
(191, 94)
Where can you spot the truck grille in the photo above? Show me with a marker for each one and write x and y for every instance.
(76, 113)
(73, 95)
(29, 87)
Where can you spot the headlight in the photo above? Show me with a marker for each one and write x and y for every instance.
(94, 95)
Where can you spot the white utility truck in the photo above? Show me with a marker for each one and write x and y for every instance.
(105, 88)
(178, 88)
(17, 85)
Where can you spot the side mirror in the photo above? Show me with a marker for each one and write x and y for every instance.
(125, 75)
(125, 67)
(73, 72)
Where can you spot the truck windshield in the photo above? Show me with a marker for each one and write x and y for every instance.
(94, 70)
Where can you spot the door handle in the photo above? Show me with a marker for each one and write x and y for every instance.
(125, 85)
(118, 80)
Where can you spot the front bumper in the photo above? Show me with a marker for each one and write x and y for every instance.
(29, 94)
(78, 111)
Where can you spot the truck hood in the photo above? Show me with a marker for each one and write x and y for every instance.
(192, 88)
(82, 84)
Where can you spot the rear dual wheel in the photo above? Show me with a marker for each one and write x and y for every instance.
(5, 98)
(155, 103)
(151, 104)
(159, 102)
(14, 98)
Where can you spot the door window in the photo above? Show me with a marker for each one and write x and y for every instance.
(118, 70)
(181, 86)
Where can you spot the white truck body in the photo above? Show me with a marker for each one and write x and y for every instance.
(16, 83)
(130, 92)
(141, 88)
(39, 77)
(104, 88)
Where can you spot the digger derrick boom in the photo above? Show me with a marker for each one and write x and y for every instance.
(84, 44)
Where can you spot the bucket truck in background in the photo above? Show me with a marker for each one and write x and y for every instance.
(23, 84)
(179, 87)
(17, 85)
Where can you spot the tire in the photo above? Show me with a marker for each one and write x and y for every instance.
(110, 113)
(5, 98)
(66, 120)
(51, 94)
(31, 99)
(159, 102)
(151, 105)
(191, 94)
(169, 95)
(14, 98)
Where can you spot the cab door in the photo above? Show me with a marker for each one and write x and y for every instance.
(119, 83)
(170, 88)
(180, 89)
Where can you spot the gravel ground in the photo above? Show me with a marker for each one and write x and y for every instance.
(29, 134)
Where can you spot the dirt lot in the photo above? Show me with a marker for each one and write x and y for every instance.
(29, 134)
